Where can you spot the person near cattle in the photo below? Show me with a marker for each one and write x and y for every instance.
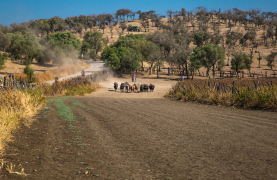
(115, 85)
(1, 83)
(134, 78)
(182, 78)
(83, 73)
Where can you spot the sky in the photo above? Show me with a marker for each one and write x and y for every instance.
(17, 11)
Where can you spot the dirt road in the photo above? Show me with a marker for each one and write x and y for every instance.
(143, 136)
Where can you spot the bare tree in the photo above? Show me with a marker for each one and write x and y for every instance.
(145, 24)
(123, 26)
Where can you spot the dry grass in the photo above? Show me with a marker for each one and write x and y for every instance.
(10, 169)
(16, 108)
(60, 72)
(248, 94)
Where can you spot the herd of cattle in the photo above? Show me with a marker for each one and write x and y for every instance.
(135, 87)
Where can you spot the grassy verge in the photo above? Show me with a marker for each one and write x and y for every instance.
(18, 106)
(245, 94)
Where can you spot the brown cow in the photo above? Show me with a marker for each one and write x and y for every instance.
(136, 87)
(128, 87)
(133, 88)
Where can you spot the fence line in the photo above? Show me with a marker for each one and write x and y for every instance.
(11, 83)
(222, 87)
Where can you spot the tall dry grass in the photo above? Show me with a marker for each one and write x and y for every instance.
(16, 108)
(248, 94)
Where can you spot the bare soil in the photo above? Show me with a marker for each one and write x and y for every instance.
(142, 136)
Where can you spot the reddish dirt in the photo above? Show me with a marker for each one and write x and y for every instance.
(145, 136)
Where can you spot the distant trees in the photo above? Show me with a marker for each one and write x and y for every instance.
(201, 38)
(61, 47)
(239, 62)
(95, 40)
(24, 47)
(208, 56)
(5, 40)
(271, 60)
(120, 59)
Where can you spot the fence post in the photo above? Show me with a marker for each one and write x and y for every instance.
(233, 88)
(5, 81)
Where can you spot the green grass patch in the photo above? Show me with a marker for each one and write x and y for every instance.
(84, 163)
(64, 111)
(83, 144)
(76, 103)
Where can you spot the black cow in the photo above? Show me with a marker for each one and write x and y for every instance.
(151, 87)
(122, 85)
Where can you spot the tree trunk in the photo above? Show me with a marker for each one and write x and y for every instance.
(214, 71)
(150, 72)
(157, 72)
(187, 72)
(142, 66)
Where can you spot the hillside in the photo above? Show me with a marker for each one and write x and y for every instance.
(116, 32)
